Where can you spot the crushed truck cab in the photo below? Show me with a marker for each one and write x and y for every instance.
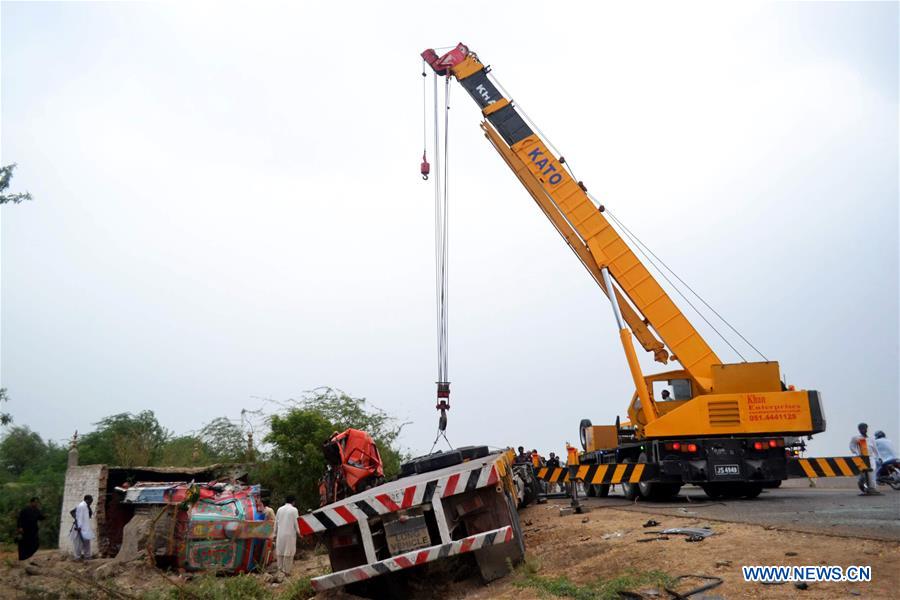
(424, 517)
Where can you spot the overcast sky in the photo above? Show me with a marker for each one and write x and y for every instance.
(228, 207)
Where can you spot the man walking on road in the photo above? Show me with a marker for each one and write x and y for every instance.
(866, 480)
(286, 531)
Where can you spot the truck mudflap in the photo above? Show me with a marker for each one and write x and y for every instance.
(413, 558)
(609, 473)
(837, 466)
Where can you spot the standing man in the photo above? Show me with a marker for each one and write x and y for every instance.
(522, 456)
(82, 532)
(866, 480)
(286, 531)
(27, 528)
(269, 515)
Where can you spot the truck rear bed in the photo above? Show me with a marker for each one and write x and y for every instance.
(468, 507)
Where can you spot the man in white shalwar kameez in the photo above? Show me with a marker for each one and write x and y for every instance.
(82, 532)
(286, 531)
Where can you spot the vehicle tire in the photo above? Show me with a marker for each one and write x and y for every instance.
(657, 491)
(430, 462)
(473, 452)
(582, 434)
(713, 490)
(751, 490)
(631, 491)
(771, 484)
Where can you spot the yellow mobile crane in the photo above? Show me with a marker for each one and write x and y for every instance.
(724, 425)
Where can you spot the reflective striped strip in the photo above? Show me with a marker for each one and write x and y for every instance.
(837, 466)
(413, 558)
(345, 512)
(600, 474)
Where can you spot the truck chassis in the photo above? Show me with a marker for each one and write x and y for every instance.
(468, 507)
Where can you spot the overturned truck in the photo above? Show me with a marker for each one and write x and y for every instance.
(443, 505)
(216, 526)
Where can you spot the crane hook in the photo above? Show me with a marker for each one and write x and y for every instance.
(426, 168)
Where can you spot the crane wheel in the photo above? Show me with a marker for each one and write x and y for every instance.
(631, 491)
(655, 490)
(582, 432)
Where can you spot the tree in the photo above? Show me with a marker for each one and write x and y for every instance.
(5, 177)
(345, 411)
(184, 451)
(124, 440)
(296, 463)
(5, 418)
(225, 441)
(20, 449)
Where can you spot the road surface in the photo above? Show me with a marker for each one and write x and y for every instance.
(833, 507)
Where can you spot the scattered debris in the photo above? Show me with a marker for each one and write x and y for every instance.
(653, 539)
(801, 585)
(791, 554)
(702, 532)
(566, 511)
(723, 563)
(685, 511)
(712, 582)
(651, 523)
(612, 535)
(585, 520)
(694, 538)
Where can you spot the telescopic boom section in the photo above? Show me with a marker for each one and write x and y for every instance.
(569, 199)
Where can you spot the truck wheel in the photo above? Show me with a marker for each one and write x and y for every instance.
(496, 561)
(752, 490)
(600, 490)
(631, 491)
(654, 490)
(712, 490)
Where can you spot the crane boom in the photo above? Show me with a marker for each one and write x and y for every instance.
(566, 203)
(723, 426)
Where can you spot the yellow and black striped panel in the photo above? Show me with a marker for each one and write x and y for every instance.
(838, 466)
(556, 475)
(615, 473)
(600, 474)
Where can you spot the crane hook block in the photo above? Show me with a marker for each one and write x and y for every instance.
(426, 168)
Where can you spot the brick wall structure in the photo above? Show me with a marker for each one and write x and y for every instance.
(82, 480)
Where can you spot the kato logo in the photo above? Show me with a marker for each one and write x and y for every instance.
(545, 166)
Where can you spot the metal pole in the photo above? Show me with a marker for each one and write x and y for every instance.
(612, 298)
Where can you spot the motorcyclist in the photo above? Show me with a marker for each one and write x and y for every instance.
(886, 455)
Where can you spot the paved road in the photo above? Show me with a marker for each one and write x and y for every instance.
(836, 510)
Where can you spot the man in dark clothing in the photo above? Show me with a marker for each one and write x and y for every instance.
(522, 457)
(28, 529)
(553, 461)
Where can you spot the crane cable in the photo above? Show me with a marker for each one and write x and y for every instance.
(641, 246)
(441, 225)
